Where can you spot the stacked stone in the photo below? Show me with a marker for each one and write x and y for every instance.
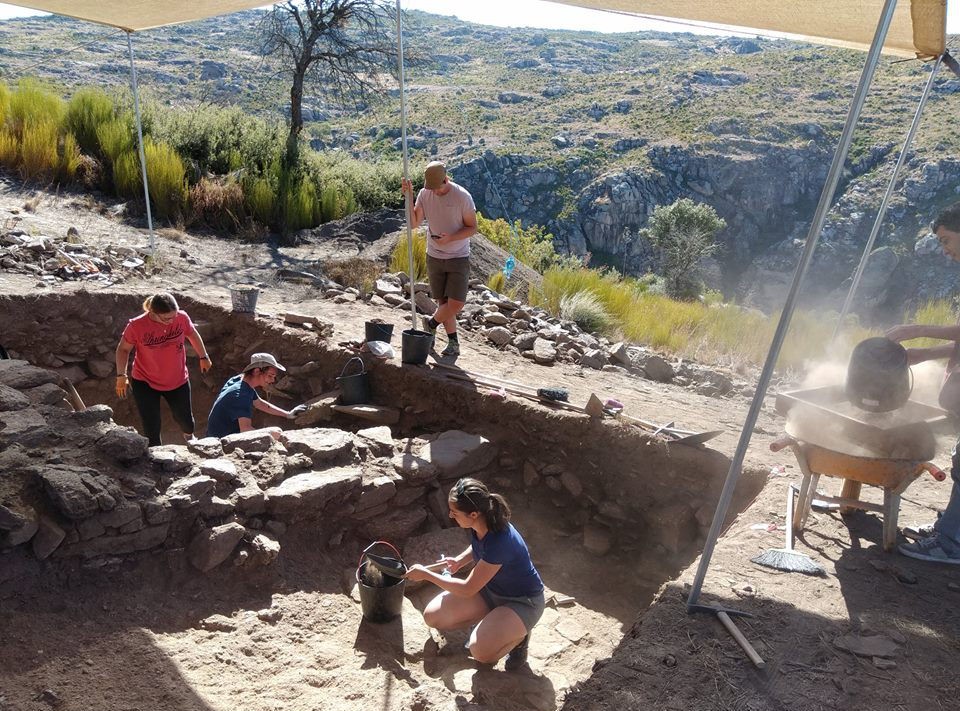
(55, 259)
(77, 484)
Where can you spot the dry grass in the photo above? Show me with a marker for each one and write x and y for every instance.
(217, 205)
(356, 272)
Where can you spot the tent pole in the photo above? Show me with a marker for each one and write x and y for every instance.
(826, 199)
(407, 198)
(884, 204)
(143, 159)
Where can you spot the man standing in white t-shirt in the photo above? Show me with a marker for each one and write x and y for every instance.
(451, 221)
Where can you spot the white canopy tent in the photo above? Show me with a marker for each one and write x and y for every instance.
(915, 28)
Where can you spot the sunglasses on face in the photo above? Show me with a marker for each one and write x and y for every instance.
(462, 491)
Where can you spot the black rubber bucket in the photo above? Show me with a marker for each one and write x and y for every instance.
(416, 346)
(374, 331)
(878, 376)
(381, 596)
(355, 388)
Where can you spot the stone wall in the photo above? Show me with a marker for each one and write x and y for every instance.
(613, 483)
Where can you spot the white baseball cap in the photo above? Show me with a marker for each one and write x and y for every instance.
(263, 360)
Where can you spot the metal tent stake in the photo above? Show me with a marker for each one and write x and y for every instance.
(407, 197)
(766, 374)
(885, 203)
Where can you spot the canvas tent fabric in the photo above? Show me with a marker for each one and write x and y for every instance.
(918, 28)
(137, 15)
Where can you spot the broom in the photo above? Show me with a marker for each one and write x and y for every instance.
(787, 559)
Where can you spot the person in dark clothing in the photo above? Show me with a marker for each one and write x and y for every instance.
(502, 595)
(232, 411)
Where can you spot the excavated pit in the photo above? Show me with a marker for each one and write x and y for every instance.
(609, 514)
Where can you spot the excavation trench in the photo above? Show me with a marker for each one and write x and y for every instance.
(609, 513)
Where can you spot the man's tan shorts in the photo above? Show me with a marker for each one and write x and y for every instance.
(449, 278)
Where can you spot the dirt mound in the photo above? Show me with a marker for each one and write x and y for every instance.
(364, 226)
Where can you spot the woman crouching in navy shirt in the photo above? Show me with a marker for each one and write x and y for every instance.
(504, 592)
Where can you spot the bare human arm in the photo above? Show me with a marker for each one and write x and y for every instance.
(468, 587)
(921, 355)
(468, 230)
(197, 342)
(909, 331)
(123, 358)
(416, 216)
(272, 409)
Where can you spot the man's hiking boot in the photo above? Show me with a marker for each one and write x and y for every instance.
(452, 349)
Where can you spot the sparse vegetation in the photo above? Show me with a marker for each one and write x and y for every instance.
(400, 261)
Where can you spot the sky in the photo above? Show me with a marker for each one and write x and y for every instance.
(537, 13)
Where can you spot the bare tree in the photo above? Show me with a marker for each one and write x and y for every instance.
(343, 47)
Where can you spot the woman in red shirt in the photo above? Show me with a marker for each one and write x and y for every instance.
(159, 364)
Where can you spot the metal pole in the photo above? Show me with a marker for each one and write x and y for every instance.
(813, 236)
(861, 267)
(407, 198)
(143, 158)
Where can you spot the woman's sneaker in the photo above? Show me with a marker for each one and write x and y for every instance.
(929, 549)
(518, 655)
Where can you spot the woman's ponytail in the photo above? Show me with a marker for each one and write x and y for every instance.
(499, 514)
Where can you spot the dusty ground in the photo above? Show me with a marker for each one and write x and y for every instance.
(139, 634)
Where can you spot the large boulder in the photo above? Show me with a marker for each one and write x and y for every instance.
(79, 493)
(458, 453)
(21, 375)
(124, 444)
(252, 441)
(12, 399)
(211, 547)
(323, 445)
(308, 493)
(27, 427)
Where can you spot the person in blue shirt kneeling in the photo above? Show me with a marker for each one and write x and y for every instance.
(503, 592)
(232, 411)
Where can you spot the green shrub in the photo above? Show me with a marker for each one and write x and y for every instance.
(167, 179)
(584, 309)
(38, 149)
(220, 140)
(336, 202)
(261, 200)
(87, 110)
(301, 207)
(533, 245)
(70, 159)
(684, 234)
(33, 104)
(374, 184)
(114, 139)
(217, 205)
(400, 260)
(9, 149)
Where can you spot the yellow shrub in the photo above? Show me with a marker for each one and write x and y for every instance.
(4, 102)
(70, 158)
(32, 104)
(167, 178)
(9, 149)
(38, 150)
(126, 175)
(114, 138)
(400, 261)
